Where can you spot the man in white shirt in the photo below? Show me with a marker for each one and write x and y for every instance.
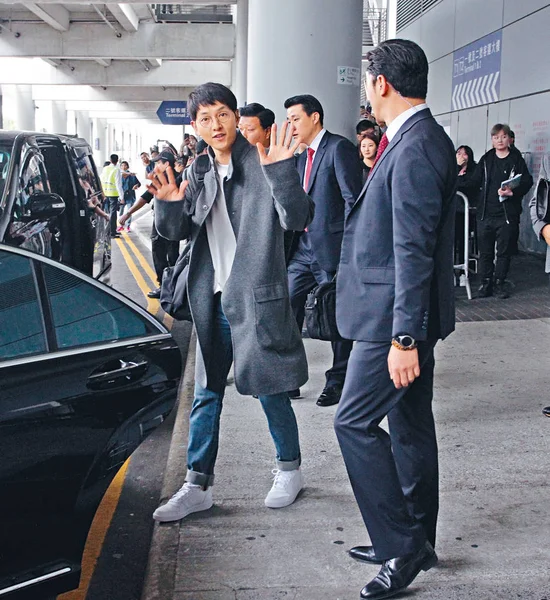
(237, 289)
(395, 298)
(331, 173)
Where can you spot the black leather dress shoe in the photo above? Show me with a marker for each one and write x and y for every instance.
(365, 554)
(154, 293)
(293, 394)
(397, 574)
(546, 411)
(330, 395)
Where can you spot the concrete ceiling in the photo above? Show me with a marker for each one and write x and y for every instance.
(126, 52)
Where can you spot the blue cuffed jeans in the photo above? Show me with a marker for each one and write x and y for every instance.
(204, 420)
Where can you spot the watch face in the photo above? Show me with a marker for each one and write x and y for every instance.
(406, 340)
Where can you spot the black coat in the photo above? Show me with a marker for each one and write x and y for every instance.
(512, 205)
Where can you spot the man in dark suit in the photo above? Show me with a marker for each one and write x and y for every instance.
(331, 174)
(395, 297)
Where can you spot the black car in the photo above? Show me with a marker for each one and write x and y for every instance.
(49, 194)
(85, 375)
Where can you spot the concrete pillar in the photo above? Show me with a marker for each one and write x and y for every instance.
(19, 107)
(319, 38)
(240, 62)
(99, 143)
(71, 122)
(59, 117)
(83, 125)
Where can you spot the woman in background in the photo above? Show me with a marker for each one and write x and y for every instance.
(368, 149)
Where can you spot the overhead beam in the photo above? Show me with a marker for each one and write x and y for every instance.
(86, 93)
(53, 62)
(184, 41)
(172, 73)
(110, 106)
(123, 115)
(202, 2)
(104, 62)
(125, 15)
(55, 15)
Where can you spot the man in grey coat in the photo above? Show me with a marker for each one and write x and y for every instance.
(237, 289)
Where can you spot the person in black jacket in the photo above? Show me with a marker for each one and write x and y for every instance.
(499, 210)
(468, 184)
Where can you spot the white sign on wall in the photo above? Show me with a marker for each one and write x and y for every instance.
(349, 76)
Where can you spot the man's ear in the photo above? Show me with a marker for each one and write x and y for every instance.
(382, 85)
(194, 126)
(237, 115)
(268, 133)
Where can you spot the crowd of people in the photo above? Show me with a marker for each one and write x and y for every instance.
(281, 210)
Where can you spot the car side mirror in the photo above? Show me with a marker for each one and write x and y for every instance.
(42, 205)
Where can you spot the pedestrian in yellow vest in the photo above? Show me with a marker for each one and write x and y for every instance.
(111, 180)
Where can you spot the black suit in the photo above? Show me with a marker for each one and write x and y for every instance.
(396, 277)
(334, 184)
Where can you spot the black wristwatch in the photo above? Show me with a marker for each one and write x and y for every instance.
(404, 342)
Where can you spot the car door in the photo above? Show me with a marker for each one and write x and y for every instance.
(38, 235)
(94, 228)
(85, 375)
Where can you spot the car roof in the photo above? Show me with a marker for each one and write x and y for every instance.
(10, 136)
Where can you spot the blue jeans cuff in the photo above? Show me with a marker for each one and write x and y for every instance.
(288, 465)
(201, 479)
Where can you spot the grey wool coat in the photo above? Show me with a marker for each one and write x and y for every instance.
(262, 201)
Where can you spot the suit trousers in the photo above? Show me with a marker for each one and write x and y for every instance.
(394, 476)
(165, 252)
(304, 273)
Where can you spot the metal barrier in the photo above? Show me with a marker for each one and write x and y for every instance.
(465, 266)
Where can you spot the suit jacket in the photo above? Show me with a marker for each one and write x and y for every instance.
(334, 184)
(261, 202)
(396, 270)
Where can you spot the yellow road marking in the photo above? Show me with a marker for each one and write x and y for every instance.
(153, 305)
(96, 535)
(142, 261)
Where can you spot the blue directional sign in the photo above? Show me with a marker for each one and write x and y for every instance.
(476, 72)
(173, 112)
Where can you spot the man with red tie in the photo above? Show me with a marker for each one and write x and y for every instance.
(331, 174)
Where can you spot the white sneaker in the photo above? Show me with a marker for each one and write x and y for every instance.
(188, 499)
(286, 486)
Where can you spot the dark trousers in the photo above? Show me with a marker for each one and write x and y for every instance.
(304, 273)
(165, 252)
(491, 231)
(111, 206)
(394, 476)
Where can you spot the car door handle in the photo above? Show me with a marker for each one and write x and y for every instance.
(126, 373)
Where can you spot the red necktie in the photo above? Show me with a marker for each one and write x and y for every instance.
(381, 147)
(309, 165)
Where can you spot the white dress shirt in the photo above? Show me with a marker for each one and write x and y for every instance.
(221, 237)
(399, 121)
(314, 145)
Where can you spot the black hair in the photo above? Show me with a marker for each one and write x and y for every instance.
(501, 127)
(106, 163)
(512, 134)
(254, 109)
(114, 158)
(124, 162)
(309, 103)
(142, 153)
(364, 125)
(404, 64)
(471, 162)
(209, 94)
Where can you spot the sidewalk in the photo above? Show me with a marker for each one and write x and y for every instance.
(494, 532)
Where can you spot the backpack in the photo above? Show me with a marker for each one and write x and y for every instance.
(173, 291)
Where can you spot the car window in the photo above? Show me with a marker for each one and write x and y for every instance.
(21, 328)
(85, 314)
(5, 155)
(33, 179)
(86, 177)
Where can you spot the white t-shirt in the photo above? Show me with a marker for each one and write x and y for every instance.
(221, 237)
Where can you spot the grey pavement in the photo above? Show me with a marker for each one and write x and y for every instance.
(494, 531)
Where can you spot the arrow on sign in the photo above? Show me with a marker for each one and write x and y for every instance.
(475, 92)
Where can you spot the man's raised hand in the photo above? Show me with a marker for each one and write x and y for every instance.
(281, 148)
(163, 185)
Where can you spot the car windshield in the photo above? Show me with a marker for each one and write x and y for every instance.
(6, 149)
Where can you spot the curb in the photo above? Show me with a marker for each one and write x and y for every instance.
(160, 575)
